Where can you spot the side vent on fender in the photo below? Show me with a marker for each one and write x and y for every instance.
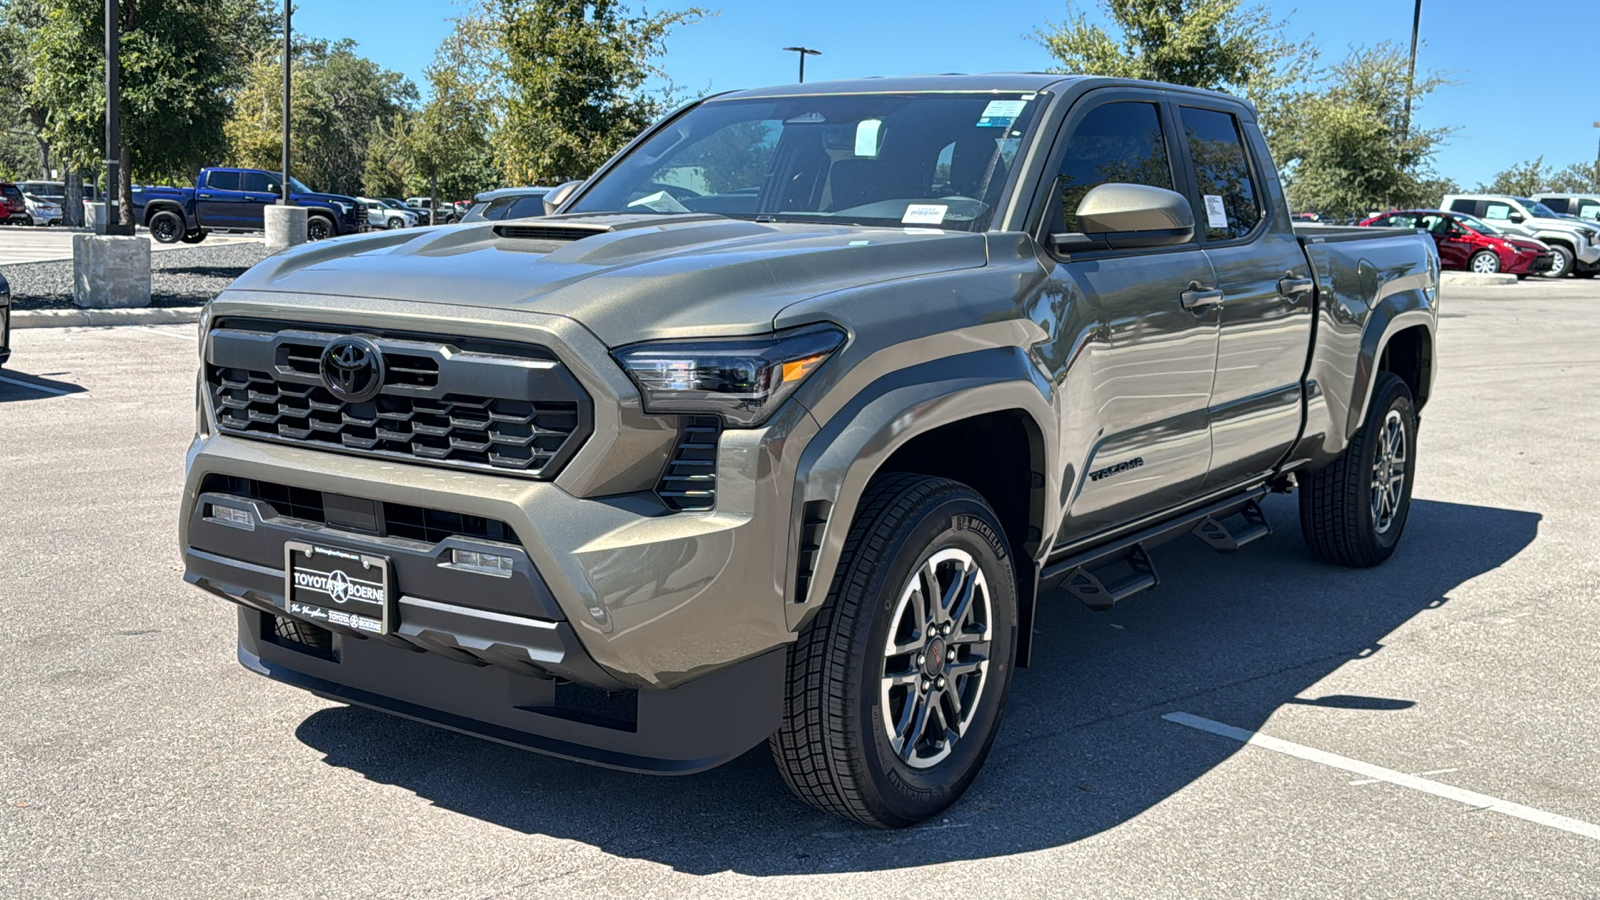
(813, 523)
(690, 481)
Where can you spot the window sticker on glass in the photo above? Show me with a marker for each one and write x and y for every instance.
(867, 137)
(1001, 113)
(924, 214)
(1216, 212)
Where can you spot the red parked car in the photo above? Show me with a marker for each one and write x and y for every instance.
(13, 209)
(1471, 244)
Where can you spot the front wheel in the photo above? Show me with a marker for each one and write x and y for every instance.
(1484, 262)
(896, 688)
(1353, 510)
(166, 227)
(318, 228)
(1560, 262)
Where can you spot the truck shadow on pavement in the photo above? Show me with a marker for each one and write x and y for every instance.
(1083, 748)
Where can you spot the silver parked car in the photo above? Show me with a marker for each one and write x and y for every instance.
(507, 203)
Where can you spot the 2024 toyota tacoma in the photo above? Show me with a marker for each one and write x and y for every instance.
(785, 423)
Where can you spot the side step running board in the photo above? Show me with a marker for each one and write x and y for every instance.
(1249, 526)
(1092, 587)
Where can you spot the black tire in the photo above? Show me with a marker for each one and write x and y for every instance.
(1562, 265)
(1484, 262)
(195, 236)
(395, 222)
(1589, 273)
(1337, 515)
(166, 226)
(319, 228)
(834, 748)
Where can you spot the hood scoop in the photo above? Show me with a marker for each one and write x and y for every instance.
(550, 232)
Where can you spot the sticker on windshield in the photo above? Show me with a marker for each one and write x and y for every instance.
(924, 214)
(867, 137)
(1001, 113)
(1216, 212)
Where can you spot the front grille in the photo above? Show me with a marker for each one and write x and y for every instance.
(482, 405)
(690, 481)
(399, 520)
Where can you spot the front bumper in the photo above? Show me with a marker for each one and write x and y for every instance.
(612, 592)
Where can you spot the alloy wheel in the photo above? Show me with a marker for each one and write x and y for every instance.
(1389, 472)
(1485, 264)
(936, 658)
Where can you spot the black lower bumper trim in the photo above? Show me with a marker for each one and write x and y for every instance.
(690, 728)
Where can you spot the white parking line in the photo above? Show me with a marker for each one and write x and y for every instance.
(180, 335)
(42, 389)
(1379, 773)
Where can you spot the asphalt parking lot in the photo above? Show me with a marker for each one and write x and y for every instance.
(1426, 728)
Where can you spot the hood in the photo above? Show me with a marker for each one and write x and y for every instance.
(625, 277)
(1527, 244)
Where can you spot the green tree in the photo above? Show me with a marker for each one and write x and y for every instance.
(1217, 44)
(180, 59)
(1355, 151)
(449, 149)
(1578, 178)
(339, 99)
(1522, 179)
(576, 73)
(24, 149)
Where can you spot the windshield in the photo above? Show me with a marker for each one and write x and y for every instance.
(1477, 224)
(297, 187)
(1538, 209)
(877, 159)
(392, 204)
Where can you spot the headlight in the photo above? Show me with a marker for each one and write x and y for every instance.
(743, 380)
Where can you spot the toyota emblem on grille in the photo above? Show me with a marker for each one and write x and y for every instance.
(352, 368)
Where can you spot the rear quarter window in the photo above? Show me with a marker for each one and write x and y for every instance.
(1222, 170)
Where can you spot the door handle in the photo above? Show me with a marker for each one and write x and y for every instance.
(1197, 297)
(1292, 287)
(204, 196)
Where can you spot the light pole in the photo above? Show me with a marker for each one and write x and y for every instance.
(1411, 69)
(113, 190)
(287, 199)
(807, 51)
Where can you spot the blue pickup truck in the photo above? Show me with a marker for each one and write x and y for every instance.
(232, 200)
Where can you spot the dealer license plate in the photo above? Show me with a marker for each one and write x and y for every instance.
(341, 588)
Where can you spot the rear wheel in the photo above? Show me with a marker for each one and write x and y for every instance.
(1484, 262)
(1353, 510)
(166, 227)
(318, 228)
(896, 688)
(1560, 262)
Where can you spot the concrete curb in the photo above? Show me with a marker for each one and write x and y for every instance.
(1475, 279)
(70, 318)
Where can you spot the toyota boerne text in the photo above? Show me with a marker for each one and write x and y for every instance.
(784, 423)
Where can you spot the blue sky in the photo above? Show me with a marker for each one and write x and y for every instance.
(1515, 98)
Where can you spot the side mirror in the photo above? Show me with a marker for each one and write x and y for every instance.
(554, 199)
(1128, 217)
(1517, 218)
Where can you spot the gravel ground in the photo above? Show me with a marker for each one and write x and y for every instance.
(187, 277)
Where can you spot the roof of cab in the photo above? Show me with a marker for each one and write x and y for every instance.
(1004, 82)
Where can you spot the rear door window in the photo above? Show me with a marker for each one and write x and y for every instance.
(526, 207)
(259, 182)
(223, 181)
(1228, 193)
(1118, 143)
(1559, 204)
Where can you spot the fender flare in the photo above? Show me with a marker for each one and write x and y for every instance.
(155, 206)
(1395, 313)
(852, 446)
